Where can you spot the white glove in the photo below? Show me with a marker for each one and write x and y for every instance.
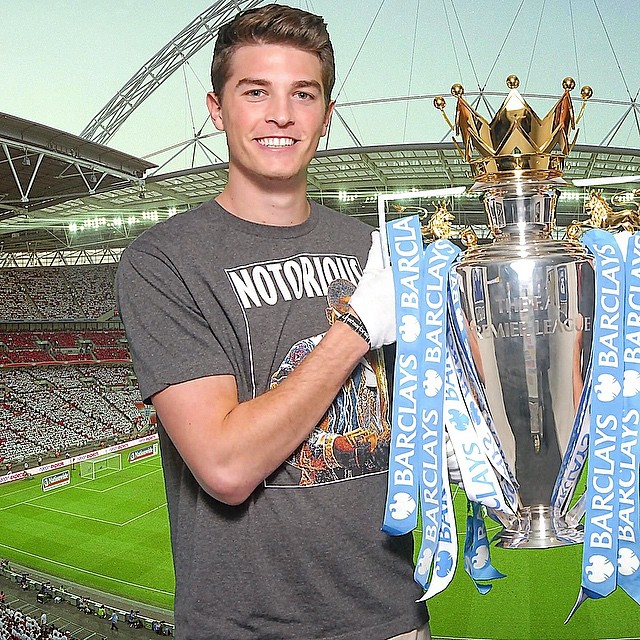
(452, 461)
(374, 297)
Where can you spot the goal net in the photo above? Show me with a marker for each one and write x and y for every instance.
(105, 464)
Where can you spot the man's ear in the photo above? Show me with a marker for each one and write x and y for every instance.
(214, 105)
(327, 117)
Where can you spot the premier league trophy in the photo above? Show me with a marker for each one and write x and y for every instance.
(527, 301)
(518, 365)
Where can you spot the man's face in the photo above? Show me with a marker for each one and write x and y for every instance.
(273, 112)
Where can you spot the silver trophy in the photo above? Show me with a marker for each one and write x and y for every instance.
(527, 299)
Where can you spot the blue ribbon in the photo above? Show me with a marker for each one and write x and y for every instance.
(405, 250)
(628, 485)
(446, 555)
(575, 456)
(474, 457)
(473, 391)
(436, 261)
(417, 436)
(600, 552)
(477, 559)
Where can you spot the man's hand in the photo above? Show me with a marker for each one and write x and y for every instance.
(374, 297)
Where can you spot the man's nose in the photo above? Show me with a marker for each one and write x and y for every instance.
(280, 111)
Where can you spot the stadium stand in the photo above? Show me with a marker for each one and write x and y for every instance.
(57, 293)
(45, 347)
(104, 338)
(49, 409)
(15, 624)
(63, 387)
(110, 353)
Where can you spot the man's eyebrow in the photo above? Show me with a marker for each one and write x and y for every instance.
(253, 81)
(301, 84)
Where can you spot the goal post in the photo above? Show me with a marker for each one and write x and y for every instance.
(91, 468)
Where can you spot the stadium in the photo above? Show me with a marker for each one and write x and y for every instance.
(84, 527)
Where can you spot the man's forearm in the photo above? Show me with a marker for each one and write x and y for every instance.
(231, 447)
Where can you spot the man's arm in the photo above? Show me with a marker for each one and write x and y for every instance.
(231, 447)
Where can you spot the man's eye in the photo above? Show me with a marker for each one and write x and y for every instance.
(303, 95)
(255, 93)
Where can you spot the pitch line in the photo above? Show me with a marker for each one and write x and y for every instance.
(91, 573)
(73, 515)
(22, 489)
(115, 486)
(146, 513)
(31, 502)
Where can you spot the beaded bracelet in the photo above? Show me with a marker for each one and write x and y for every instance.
(356, 324)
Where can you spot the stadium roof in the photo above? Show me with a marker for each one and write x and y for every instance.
(346, 179)
(41, 166)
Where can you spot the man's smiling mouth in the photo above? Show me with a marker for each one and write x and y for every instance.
(275, 142)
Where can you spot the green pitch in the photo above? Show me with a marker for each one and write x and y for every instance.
(111, 533)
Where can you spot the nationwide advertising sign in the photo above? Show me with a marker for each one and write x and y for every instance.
(56, 480)
(144, 453)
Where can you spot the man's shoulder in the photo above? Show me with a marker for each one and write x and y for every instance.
(338, 217)
(343, 223)
(179, 230)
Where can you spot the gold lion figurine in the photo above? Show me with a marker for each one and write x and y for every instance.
(603, 216)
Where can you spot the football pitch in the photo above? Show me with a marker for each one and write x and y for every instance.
(110, 533)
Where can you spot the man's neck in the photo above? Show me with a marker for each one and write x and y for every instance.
(280, 205)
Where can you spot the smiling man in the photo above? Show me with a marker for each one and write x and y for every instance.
(272, 420)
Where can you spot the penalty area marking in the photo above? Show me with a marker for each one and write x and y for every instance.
(80, 485)
(85, 571)
(31, 503)
(117, 485)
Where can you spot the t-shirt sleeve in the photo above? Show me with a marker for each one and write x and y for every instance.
(170, 340)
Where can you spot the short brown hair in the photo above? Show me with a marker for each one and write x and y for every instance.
(273, 24)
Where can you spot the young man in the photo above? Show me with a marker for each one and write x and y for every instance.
(273, 434)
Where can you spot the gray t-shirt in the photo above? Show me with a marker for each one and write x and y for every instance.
(206, 293)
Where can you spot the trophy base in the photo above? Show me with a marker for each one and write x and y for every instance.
(539, 534)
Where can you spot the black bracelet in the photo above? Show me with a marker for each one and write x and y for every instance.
(356, 324)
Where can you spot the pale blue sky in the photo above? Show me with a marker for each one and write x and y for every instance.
(62, 60)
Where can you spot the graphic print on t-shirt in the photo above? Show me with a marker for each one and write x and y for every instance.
(353, 437)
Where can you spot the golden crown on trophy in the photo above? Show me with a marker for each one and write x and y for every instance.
(517, 144)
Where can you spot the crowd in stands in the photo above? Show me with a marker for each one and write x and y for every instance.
(110, 353)
(63, 390)
(56, 293)
(47, 411)
(14, 625)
